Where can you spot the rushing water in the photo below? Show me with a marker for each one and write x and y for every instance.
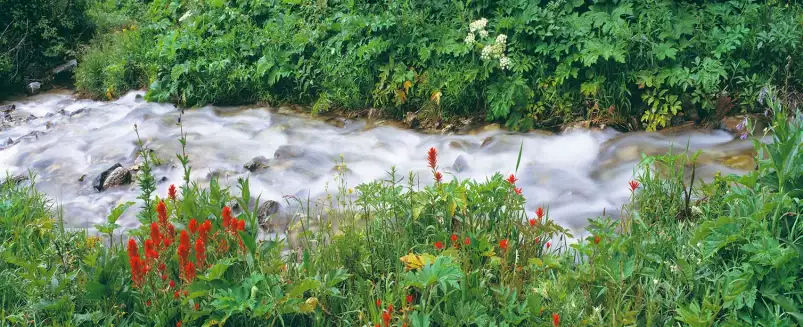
(577, 174)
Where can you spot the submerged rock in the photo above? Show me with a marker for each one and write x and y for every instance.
(460, 164)
(256, 163)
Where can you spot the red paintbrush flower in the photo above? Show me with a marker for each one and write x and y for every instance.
(548, 244)
(200, 252)
(226, 215)
(161, 210)
(634, 184)
(597, 239)
(439, 245)
(241, 225)
(156, 237)
(171, 192)
(379, 302)
(189, 271)
(467, 241)
(438, 177)
(517, 190)
(555, 319)
(410, 299)
(172, 285)
(386, 318)
(532, 222)
(193, 225)
(512, 179)
(503, 244)
(454, 238)
(539, 213)
(432, 158)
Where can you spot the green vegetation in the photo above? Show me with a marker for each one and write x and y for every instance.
(637, 64)
(38, 35)
(455, 253)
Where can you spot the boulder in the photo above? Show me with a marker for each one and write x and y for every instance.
(411, 119)
(117, 177)
(66, 67)
(257, 163)
(266, 209)
(100, 180)
(288, 151)
(33, 87)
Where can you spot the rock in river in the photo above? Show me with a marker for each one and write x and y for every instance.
(266, 209)
(113, 176)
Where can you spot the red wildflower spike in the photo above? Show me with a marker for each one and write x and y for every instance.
(164, 277)
(410, 299)
(226, 215)
(386, 318)
(517, 190)
(597, 239)
(200, 253)
(555, 319)
(193, 225)
(503, 244)
(189, 271)
(155, 235)
(379, 302)
(439, 245)
(634, 184)
(432, 158)
(133, 249)
(161, 210)
(162, 267)
(241, 225)
(178, 324)
(176, 294)
(390, 307)
(467, 241)
(173, 284)
(539, 213)
(548, 244)
(171, 192)
(512, 179)
(438, 177)
(454, 237)
(147, 304)
(197, 306)
(532, 222)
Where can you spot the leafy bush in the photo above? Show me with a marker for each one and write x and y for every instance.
(38, 35)
(523, 62)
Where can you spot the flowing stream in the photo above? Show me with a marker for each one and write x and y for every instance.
(67, 142)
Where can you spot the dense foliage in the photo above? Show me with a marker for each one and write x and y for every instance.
(389, 253)
(527, 63)
(38, 35)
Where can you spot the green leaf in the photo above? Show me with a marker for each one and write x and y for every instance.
(419, 319)
(306, 285)
(217, 271)
(118, 211)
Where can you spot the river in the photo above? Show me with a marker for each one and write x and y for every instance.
(577, 174)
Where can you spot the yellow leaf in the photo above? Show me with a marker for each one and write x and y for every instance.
(436, 96)
(407, 86)
(414, 261)
(309, 305)
(401, 95)
(452, 207)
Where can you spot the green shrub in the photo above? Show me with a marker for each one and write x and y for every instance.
(525, 63)
(38, 35)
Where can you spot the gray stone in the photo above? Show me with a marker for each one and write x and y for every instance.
(7, 108)
(33, 87)
(117, 177)
(288, 151)
(66, 67)
(100, 180)
(460, 164)
(266, 209)
(257, 163)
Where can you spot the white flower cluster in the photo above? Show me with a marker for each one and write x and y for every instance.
(478, 25)
(495, 51)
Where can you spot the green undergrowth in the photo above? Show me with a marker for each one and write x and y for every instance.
(632, 63)
(453, 253)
